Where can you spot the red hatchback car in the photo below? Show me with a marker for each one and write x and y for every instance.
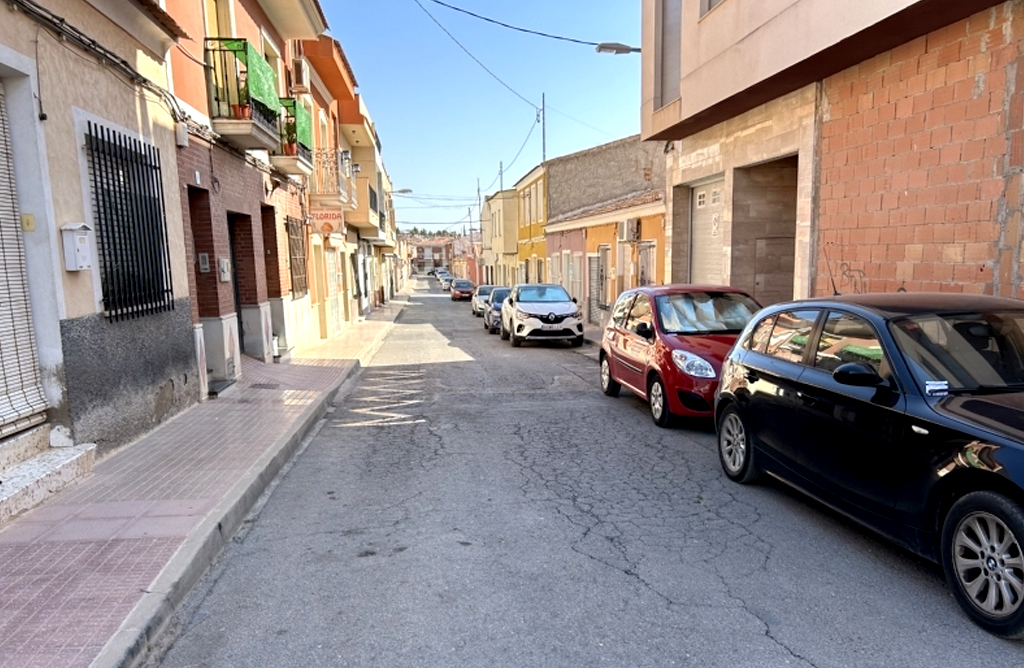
(666, 345)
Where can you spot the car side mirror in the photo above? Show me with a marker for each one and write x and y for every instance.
(574, 301)
(644, 330)
(856, 374)
(511, 302)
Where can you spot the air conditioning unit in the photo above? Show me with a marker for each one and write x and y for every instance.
(300, 75)
(629, 230)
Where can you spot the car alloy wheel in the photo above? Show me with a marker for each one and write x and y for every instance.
(658, 402)
(735, 451)
(608, 384)
(984, 561)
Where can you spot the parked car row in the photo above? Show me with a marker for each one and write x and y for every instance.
(902, 411)
(529, 312)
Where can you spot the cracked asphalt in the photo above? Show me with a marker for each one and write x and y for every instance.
(471, 504)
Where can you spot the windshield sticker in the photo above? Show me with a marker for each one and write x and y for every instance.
(936, 388)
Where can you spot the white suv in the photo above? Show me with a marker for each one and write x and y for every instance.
(541, 311)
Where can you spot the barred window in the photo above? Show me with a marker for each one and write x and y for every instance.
(131, 228)
(297, 252)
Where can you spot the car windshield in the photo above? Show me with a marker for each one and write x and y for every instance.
(704, 312)
(462, 284)
(484, 290)
(543, 293)
(965, 351)
(499, 295)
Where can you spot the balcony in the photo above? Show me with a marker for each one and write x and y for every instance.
(242, 91)
(331, 186)
(366, 217)
(292, 155)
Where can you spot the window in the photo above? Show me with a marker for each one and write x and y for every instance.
(759, 337)
(131, 231)
(707, 5)
(716, 196)
(622, 308)
(297, 253)
(702, 199)
(847, 338)
(790, 335)
(641, 313)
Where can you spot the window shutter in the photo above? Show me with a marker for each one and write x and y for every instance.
(22, 403)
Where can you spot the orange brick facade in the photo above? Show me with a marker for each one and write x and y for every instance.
(921, 155)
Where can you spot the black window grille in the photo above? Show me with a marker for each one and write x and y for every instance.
(297, 252)
(373, 200)
(131, 228)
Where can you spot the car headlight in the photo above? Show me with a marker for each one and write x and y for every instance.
(693, 365)
(578, 314)
(522, 315)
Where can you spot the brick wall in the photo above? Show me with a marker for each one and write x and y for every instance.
(224, 188)
(921, 153)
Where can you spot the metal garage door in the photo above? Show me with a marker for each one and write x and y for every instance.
(706, 234)
(595, 289)
(22, 403)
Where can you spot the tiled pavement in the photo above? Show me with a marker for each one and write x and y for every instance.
(89, 577)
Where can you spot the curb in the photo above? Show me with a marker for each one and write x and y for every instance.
(141, 630)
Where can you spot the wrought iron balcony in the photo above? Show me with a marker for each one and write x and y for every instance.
(242, 94)
(331, 184)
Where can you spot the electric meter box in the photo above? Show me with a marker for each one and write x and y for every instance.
(77, 238)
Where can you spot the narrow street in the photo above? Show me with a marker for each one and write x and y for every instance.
(471, 504)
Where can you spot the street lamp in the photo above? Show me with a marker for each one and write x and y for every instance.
(616, 47)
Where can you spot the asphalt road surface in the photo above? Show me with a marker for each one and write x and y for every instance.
(471, 504)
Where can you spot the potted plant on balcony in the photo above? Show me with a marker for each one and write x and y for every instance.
(242, 110)
(290, 145)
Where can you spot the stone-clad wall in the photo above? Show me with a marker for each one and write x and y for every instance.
(603, 174)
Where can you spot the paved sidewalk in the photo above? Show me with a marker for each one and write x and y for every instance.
(89, 577)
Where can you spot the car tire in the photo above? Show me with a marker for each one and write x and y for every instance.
(608, 384)
(577, 342)
(987, 584)
(516, 341)
(492, 330)
(504, 332)
(658, 402)
(735, 448)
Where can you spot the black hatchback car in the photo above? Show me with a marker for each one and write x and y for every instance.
(904, 411)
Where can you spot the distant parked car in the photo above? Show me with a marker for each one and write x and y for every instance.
(904, 411)
(492, 309)
(541, 311)
(478, 304)
(666, 344)
(461, 289)
(446, 281)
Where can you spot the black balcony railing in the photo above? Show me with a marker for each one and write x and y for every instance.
(236, 79)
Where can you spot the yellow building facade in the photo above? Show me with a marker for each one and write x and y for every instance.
(532, 217)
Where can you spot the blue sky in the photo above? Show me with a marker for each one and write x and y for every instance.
(444, 122)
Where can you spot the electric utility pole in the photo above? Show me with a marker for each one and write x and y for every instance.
(543, 129)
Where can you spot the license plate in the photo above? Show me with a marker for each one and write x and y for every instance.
(550, 328)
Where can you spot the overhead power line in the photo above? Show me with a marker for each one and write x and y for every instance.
(475, 59)
(512, 27)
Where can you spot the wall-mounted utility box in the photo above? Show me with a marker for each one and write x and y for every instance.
(77, 238)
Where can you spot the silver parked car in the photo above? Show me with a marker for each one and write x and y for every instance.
(479, 301)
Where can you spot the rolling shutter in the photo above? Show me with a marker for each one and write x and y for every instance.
(706, 234)
(22, 403)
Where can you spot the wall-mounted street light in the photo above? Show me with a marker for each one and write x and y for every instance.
(616, 47)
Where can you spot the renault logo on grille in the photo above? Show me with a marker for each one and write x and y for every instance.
(551, 317)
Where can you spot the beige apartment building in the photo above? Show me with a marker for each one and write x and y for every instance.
(500, 237)
(880, 151)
